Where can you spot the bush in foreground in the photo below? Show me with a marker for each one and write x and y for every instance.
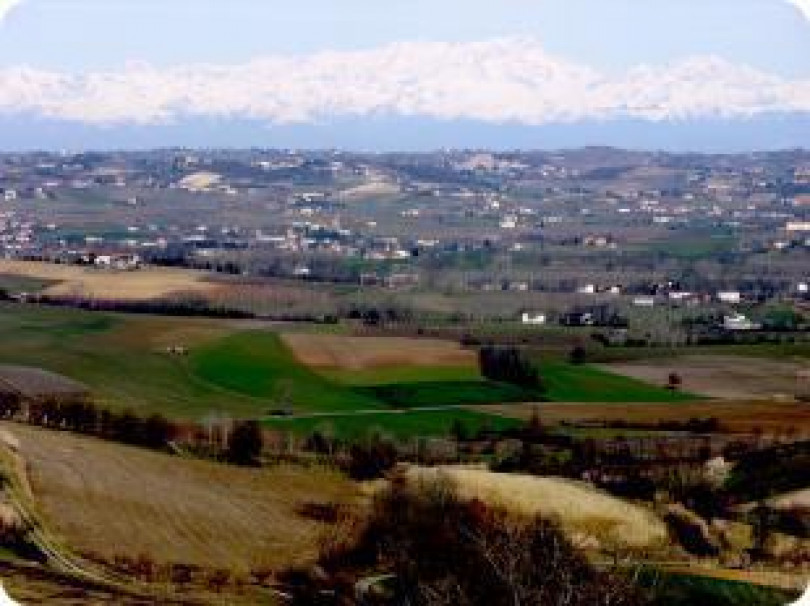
(424, 546)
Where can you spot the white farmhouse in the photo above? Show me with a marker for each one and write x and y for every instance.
(729, 296)
(533, 318)
(739, 322)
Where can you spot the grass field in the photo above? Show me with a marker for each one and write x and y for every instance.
(585, 383)
(110, 500)
(120, 358)
(258, 364)
(690, 589)
(245, 369)
(401, 425)
(770, 351)
(13, 283)
(232, 368)
(402, 374)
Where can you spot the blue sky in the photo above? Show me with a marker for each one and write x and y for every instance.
(91, 34)
(85, 62)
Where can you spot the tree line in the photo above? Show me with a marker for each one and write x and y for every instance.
(243, 445)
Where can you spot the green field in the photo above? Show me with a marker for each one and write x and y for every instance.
(422, 394)
(583, 383)
(18, 284)
(259, 365)
(115, 356)
(249, 373)
(683, 590)
(398, 424)
(229, 371)
(402, 374)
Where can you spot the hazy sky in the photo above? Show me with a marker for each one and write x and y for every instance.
(532, 62)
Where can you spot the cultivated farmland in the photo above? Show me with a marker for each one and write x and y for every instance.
(729, 377)
(121, 359)
(245, 369)
(110, 500)
(258, 364)
(34, 383)
(363, 353)
(585, 383)
(772, 417)
(74, 280)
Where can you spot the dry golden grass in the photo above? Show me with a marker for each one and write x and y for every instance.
(584, 512)
(114, 500)
(772, 417)
(359, 353)
(728, 377)
(143, 284)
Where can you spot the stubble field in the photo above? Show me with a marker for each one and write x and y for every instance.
(108, 499)
(74, 280)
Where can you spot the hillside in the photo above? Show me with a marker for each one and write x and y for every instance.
(107, 500)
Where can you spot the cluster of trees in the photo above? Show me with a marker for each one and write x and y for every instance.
(509, 365)
(760, 474)
(245, 443)
(153, 431)
(188, 306)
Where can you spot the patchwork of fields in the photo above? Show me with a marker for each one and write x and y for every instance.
(246, 369)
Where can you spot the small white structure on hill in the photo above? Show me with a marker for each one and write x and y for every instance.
(739, 322)
(533, 318)
(729, 296)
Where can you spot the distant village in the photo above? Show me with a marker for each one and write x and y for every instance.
(650, 230)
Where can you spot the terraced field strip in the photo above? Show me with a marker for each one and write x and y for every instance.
(420, 422)
(742, 416)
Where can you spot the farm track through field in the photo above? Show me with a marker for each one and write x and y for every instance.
(372, 411)
(57, 556)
